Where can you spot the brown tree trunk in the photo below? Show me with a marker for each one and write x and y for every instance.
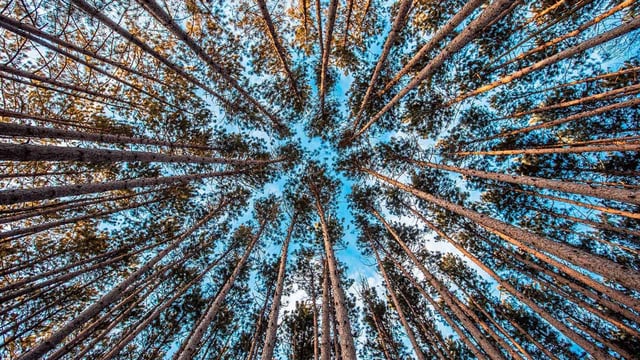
(558, 149)
(588, 44)
(467, 35)
(331, 20)
(25, 152)
(442, 32)
(535, 245)
(282, 54)
(8, 197)
(113, 295)
(628, 196)
(193, 340)
(396, 27)
(272, 327)
(342, 317)
(396, 305)
(326, 332)
(573, 33)
(43, 132)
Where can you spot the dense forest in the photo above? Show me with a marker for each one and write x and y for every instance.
(319, 179)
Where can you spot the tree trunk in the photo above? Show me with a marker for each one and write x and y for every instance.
(396, 304)
(113, 295)
(272, 327)
(342, 317)
(445, 295)
(193, 340)
(573, 33)
(622, 195)
(8, 197)
(585, 114)
(535, 244)
(442, 32)
(282, 54)
(43, 132)
(326, 332)
(396, 27)
(558, 149)
(331, 19)
(588, 44)
(467, 35)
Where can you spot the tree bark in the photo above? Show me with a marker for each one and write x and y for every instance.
(272, 327)
(193, 341)
(113, 295)
(442, 32)
(25, 152)
(594, 41)
(535, 245)
(396, 27)
(43, 132)
(331, 19)
(8, 197)
(326, 332)
(342, 317)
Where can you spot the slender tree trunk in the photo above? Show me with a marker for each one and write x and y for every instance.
(316, 348)
(342, 317)
(326, 332)
(560, 326)
(193, 341)
(71, 87)
(167, 21)
(8, 197)
(535, 245)
(438, 307)
(331, 19)
(42, 132)
(594, 41)
(396, 27)
(113, 295)
(558, 149)
(578, 116)
(25, 152)
(272, 327)
(467, 35)
(282, 54)
(622, 195)
(445, 295)
(607, 95)
(442, 32)
(573, 33)
(259, 328)
(396, 304)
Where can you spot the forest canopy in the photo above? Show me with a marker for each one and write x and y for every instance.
(319, 179)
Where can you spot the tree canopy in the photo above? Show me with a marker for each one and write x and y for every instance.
(319, 179)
